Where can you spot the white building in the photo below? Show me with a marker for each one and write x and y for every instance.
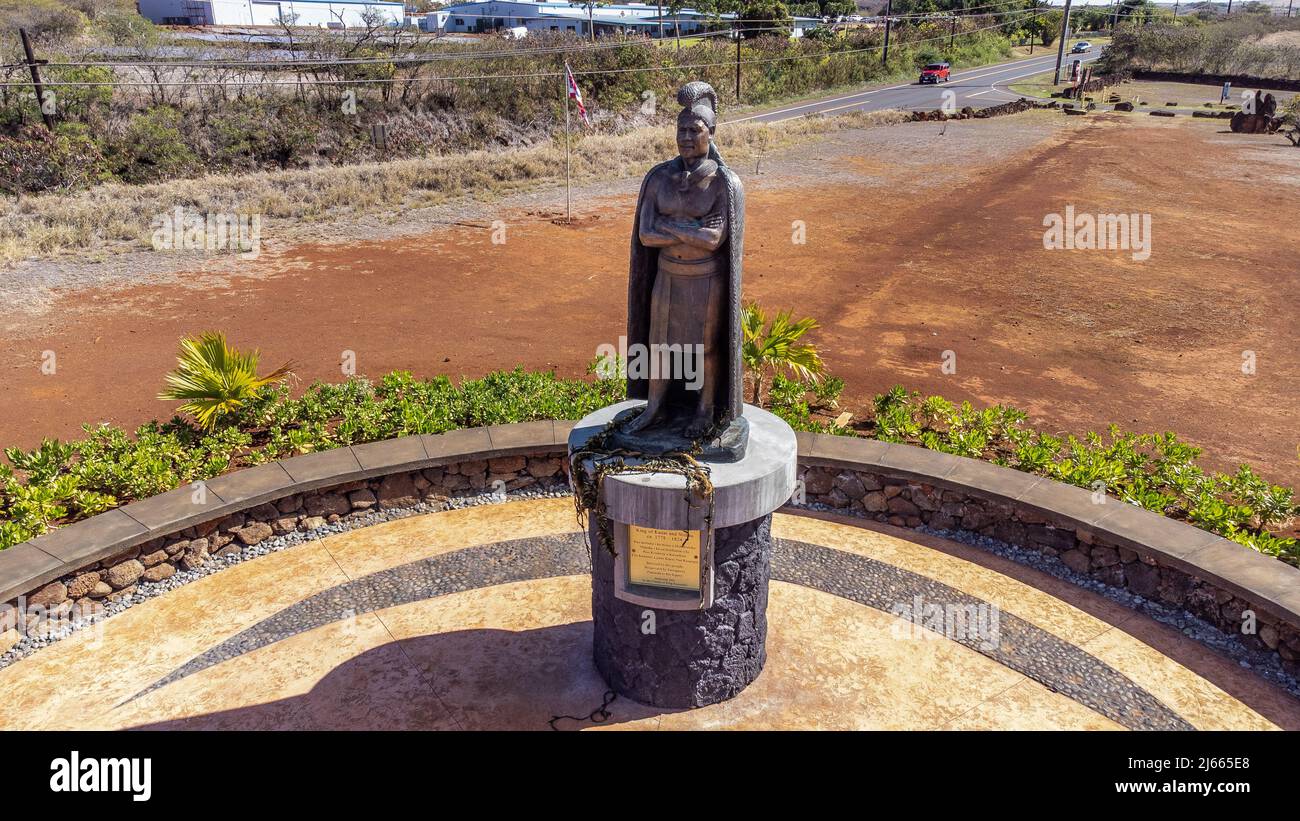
(326, 13)
(549, 15)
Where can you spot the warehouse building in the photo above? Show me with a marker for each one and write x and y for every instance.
(624, 18)
(325, 13)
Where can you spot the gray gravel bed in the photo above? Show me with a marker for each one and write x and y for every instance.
(148, 590)
(1263, 663)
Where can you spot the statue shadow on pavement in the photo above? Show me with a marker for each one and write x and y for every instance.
(485, 679)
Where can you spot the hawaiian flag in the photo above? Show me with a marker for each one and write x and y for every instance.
(575, 93)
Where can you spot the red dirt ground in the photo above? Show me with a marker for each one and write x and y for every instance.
(1079, 339)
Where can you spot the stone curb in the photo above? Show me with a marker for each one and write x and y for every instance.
(31, 564)
(1261, 580)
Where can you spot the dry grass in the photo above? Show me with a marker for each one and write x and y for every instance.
(115, 218)
(1280, 38)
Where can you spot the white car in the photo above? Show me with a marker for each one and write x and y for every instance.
(1081, 47)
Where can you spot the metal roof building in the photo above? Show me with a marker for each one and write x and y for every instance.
(326, 13)
(623, 18)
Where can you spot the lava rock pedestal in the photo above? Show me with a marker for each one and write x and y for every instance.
(681, 647)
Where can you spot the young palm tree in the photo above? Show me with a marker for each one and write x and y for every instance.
(772, 346)
(214, 380)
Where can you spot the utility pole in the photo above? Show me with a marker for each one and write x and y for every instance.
(568, 178)
(889, 9)
(736, 33)
(952, 35)
(1229, 11)
(1033, 29)
(1288, 8)
(661, 21)
(1060, 47)
(1114, 20)
(32, 64)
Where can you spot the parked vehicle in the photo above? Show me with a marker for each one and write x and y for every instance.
(936, 73)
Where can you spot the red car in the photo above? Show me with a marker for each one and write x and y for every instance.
(936, 73)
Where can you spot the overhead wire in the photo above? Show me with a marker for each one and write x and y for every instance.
(494, 76)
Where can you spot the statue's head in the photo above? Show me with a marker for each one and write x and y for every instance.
(698, 119)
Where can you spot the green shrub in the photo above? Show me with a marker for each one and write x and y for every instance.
(788, 399)
(253, 133)
(35, 160)
(215, 380)
(60, 482)
(79, 102)
(152, 148)
(1155, 471)
(1226, 47)
(44, 20)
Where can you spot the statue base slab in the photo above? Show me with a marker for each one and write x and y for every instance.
(728, 446)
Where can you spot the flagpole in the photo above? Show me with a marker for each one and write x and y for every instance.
(568, 181)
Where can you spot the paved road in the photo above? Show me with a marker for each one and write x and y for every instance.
(976, 87)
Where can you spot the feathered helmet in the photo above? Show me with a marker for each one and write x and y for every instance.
(699, 101)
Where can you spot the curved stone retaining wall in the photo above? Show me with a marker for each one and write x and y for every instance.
(70, 572)
(77, 567)
(1124, 546)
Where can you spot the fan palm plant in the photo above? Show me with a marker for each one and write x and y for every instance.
(774, 346)
(214, 380)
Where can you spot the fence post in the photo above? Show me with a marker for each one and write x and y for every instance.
(32, 65)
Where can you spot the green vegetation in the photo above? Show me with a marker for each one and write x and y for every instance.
(1156, 471)
(59, 482)
(35, 160)
(162, 122)
(214, 380)
(1250, 45)
(770, 346)
(1291, 120)
(796, 401)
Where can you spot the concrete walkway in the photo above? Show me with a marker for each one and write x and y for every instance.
(480, 618)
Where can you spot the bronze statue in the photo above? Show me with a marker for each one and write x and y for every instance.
(684, 295)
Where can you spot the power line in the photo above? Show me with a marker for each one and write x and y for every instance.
(472, 55)
(523, 52)
(528, 75)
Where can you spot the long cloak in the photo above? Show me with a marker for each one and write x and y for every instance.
(641, 280)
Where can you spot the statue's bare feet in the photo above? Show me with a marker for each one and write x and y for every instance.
(642, 421)
(698, 427)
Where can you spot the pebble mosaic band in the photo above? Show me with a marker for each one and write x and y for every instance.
(1021, 646)
(82, 565)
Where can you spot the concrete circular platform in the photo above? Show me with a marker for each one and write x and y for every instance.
(480, 618)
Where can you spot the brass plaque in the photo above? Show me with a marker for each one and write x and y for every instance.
(663, 558)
